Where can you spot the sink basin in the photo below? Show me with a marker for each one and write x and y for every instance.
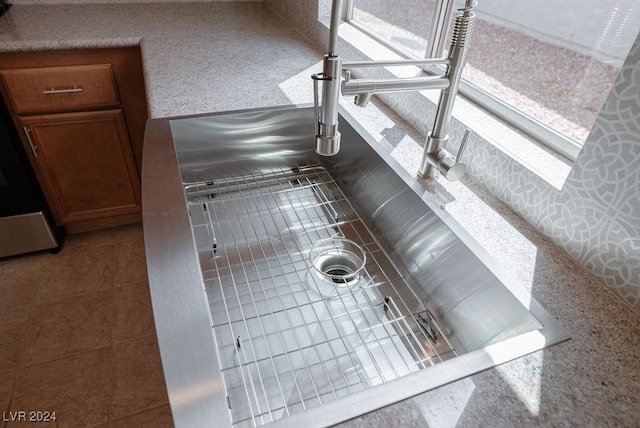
(310, 289)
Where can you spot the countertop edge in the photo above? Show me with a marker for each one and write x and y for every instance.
(47, 45)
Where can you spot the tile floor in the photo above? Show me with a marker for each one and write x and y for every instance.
(77, 335)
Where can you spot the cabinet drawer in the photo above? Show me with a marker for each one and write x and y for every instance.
(60, 88)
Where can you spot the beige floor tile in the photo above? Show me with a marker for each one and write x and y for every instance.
(76, 388)
(137, 381)
(60, 314)
(68, 326)
(13, 325)
(131, 265)
(134, 315)
(88, 239)
(26, 262)
(154, 418)
(19, 286)
(128, 232)
(77, 271)
(6, 386)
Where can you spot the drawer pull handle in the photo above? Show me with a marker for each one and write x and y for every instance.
(34, 147)
(61, 91)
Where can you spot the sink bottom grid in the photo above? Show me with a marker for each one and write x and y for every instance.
(288, 338)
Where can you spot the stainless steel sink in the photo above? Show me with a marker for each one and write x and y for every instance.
(329, 286)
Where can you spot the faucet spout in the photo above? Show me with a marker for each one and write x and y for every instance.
(327, 139)
(327, 136)
(436, 159)
(362, 100)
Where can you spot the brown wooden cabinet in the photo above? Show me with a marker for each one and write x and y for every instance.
(86, 164)
(82, 119)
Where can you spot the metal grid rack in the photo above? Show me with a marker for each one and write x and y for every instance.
(289, 339)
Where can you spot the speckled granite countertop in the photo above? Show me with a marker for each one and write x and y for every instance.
(207, 57)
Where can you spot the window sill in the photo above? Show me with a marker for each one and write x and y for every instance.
(516, 147)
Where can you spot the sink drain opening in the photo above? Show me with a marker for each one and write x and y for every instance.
(338, 260)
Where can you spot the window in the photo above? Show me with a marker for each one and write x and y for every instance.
(543, 66)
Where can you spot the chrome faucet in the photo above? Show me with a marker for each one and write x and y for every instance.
(436, 159)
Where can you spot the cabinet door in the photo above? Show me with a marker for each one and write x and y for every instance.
(86, 163)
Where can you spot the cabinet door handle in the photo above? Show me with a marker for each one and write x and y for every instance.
(61, 91)
(34, 147)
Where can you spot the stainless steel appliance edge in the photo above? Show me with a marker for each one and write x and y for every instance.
(182, 317)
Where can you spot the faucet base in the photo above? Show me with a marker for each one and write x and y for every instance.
(436, 160)
(429, 162)
(429, 172)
